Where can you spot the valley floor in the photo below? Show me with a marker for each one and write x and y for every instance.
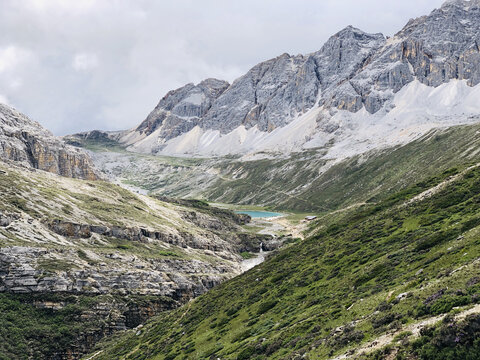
(372, 278)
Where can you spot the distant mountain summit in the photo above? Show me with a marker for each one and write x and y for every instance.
(463, 3)
(359, 91)
(180, 110)
(25, 141)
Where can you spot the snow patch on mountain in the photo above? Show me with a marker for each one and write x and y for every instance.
(414, 110)
(417, 109)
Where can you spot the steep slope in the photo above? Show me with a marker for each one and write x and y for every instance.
(177, 112)
(383, 268)
(27, 142)
(302, 182)
(358, 92)
(305, 182)
(83, 259)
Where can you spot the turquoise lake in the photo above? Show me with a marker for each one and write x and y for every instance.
(259, 214)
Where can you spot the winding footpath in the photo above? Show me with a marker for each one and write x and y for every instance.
(414, 328)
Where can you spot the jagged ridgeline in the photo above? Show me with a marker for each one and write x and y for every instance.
(379, 275)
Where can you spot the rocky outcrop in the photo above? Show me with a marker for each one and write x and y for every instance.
(6, 219)
(181, 110)
(268, 96)
(433, 49)
(25, 270)
(141, 284)
(96, 316)
(239, 242)
(183, 239)
(26, 142)
(256, 242)
(121, 315)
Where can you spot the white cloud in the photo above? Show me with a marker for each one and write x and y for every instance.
(15, 84)
(68, 5)
(84, 62)
(4, 100)
(11, 57)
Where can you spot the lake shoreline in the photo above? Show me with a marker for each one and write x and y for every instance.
(259, 214)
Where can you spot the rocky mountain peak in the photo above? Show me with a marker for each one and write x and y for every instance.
(444, 45)
(351, 32)
(346, 47)
(454, 16)
(465, 4)
(214, 87)
(267, 96)
(180, 109)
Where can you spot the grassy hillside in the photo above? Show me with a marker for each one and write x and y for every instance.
(303, 182)
(80, 260)
(388, 267)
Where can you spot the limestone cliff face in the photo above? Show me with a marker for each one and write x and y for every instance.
(27, 142)
(433, 49)
(181, 110)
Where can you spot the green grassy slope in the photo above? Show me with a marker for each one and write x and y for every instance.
(71, 324)
(300, 182)
(380, 268)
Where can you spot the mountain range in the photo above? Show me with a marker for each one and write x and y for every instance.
(294, 129)
(359, 92)
(126, 245)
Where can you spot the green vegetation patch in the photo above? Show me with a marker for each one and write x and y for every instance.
(450, 339)
(373, 270)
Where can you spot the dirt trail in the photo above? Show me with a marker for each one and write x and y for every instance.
(436, 189)
(94, 355)
(415, 328)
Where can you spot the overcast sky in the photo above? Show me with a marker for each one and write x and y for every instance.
(76, 65)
